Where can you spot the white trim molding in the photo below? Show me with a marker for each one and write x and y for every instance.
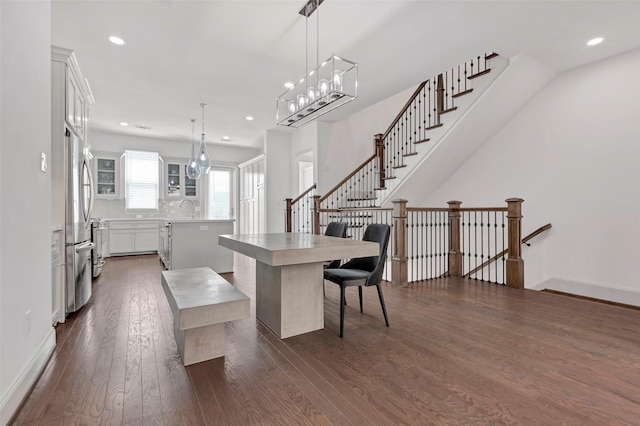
(612, 294)
(16, 393)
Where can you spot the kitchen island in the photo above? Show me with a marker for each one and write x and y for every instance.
(193, 243)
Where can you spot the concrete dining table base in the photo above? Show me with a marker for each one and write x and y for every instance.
(289, 298)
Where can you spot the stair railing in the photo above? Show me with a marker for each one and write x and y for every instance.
(437, 242)
(298, 212)
(357, 190)
(424, 110)
(421, 113)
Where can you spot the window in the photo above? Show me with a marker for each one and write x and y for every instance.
(141, 180)
(219, 194)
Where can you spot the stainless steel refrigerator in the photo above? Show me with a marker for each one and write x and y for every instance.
(79, 204)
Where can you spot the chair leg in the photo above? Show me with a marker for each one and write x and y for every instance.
(341, 310)
(384, 310)
(360, 295)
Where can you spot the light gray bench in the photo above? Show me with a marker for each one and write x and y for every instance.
(201, 302)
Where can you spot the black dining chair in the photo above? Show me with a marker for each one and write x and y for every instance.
(335, 229)
(363, 271)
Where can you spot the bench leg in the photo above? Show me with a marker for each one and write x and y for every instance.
(200, 344)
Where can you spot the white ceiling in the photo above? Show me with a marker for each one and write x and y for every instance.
(235, 55)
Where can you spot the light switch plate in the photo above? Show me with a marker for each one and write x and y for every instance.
(43, 162)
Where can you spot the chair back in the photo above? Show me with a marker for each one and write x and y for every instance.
(379, 233)
(336, 229)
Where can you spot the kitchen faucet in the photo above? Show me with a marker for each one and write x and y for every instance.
(193, 206)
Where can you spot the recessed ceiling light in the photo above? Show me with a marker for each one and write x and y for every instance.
(124, 124)
(595, 41)
(116, 40)
(288, 85)
(226, 138)
(249, 118)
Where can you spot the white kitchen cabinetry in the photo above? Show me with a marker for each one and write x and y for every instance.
(133, 237)
(70, 101)
(177, 184)
(194, 244)
(106, 172)
(252, 207)
(57, 277)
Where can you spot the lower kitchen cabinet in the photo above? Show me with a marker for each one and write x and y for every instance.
(194, 244)
(132, 237)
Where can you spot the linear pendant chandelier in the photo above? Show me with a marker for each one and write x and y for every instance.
(331, 84)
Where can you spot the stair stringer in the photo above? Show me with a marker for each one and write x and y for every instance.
(520, 81)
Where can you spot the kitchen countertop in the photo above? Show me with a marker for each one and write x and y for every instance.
(164, 219)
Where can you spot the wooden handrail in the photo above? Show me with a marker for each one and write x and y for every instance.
(536, 233)
(503, 252)
(404, 108)
(299, 197)
(352, 174)
(357, 210)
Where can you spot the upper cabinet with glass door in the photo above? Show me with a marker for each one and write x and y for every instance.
(177, 184)
(107, 176)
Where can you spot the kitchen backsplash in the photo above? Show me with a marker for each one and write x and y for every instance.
(166, 209)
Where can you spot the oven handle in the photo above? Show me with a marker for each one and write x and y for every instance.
(84, 247)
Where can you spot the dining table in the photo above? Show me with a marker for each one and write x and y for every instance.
(289, 275)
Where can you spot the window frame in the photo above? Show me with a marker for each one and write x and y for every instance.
(156, 167)
(232, 198)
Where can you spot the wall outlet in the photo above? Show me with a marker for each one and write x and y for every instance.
(27, 322)
(43, 162)
(204, 227)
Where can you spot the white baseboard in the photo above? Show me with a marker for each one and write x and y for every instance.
(12, 399)
(611, 294)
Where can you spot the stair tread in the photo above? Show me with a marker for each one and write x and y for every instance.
(448, 110)
(389, 177)
(423, 141)
(435, 126)
(478, 74)
(491, 55)
(410, 154)
(466, 92)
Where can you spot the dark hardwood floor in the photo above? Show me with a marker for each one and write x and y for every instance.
(457, 352)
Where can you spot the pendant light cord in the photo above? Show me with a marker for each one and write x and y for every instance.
(306, 53)
(203, 106)
(317, 42)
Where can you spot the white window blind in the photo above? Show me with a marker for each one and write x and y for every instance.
(219, 194)
(141, 180)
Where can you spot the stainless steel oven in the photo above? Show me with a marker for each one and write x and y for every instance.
(98, 233)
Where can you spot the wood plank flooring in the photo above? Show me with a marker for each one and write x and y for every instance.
(456, 352)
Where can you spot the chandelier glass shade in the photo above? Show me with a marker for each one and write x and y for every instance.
(331, 84)
(193, 169)
(203, 160)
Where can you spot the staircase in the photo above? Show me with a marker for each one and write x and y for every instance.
(479, 116)
(445, 121)
(432, 110)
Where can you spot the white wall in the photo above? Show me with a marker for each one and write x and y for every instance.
(304, 141)
(25, 197)
(277, 166)
(573, 155)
